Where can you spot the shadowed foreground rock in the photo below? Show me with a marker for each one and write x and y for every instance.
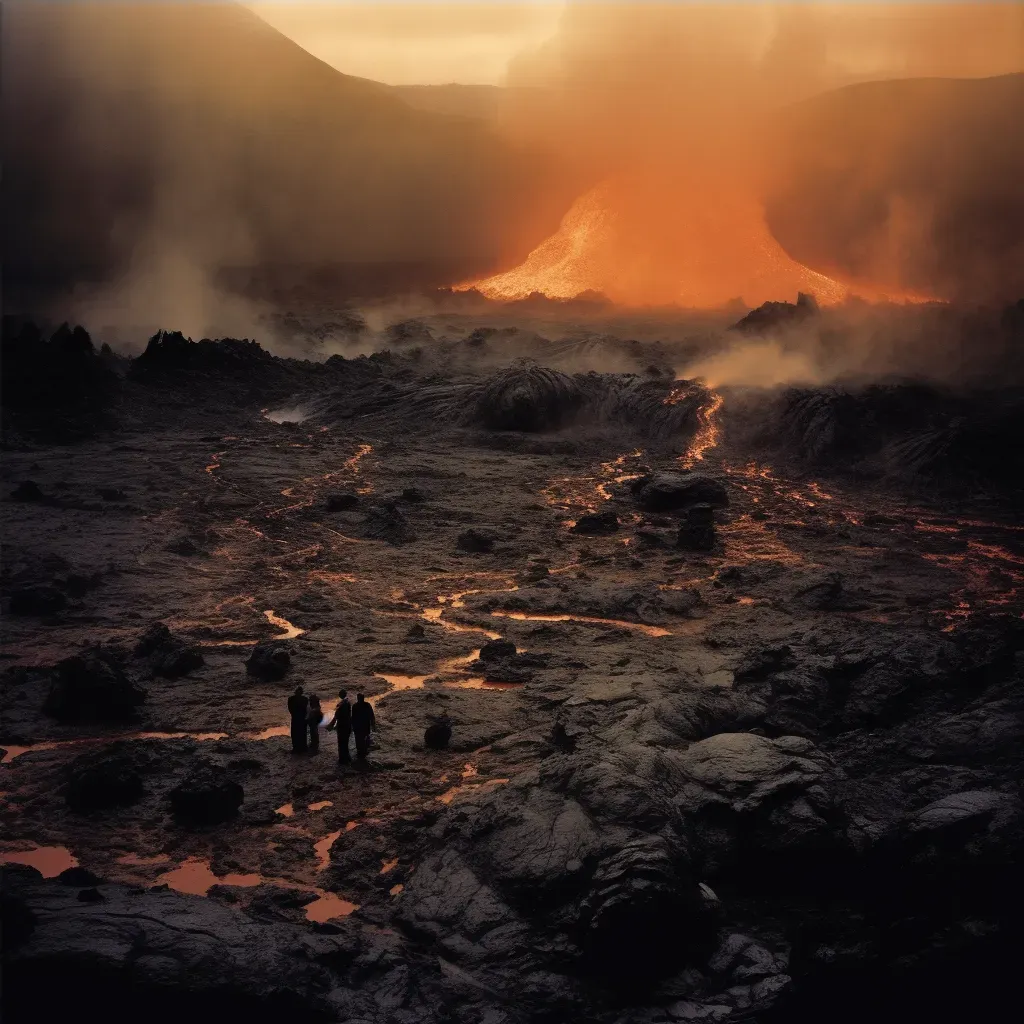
(207, 795)
(526, 398)
(168, 655)
(93, 686)
(269, 660)
(666, 492)
(109, 779)
(158, 955)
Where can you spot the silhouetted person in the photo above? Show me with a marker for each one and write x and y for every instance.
(342, 721)
(313, 719)
(363, 722)
(298, 708)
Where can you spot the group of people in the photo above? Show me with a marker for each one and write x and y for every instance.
(349, 719)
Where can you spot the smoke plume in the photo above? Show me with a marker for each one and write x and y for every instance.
(691, 118)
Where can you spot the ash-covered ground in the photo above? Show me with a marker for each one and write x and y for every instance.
(733, 678)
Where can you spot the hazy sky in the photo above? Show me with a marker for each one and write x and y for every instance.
(416, 43)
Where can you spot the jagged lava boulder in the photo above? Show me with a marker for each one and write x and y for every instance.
(438, 734)
(206, 795)
(475, 542)
(526, 398)
(597, 524)
(269, 661)
(168, 655)
(99, 781)
(93, 685)
(697, 531)
(386, 522)
(773, 315)
(666, 492)
(28, 491)
(40, 599)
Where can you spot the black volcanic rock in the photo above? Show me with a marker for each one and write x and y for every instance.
(341, 501)
(756, 805)
(28, 491)
(388, 523)
(772, 315)
(236, 965)
(438, 734)
(171, 353)
(636, 902)
(269, 660)
(168, 655)
(697, 531)
(666, 492)
(58, 387)
(206, 795)
(93, 686)
(497, 650)
(97, 782)
(477, 542)
(41, 599)
(597, 523)
(526, 398)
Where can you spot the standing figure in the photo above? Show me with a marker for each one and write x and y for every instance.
(313, 720)
(298, 708)
(363, 722)
(342, 721)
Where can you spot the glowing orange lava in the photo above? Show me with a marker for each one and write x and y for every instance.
(705, 247)
(722, 250)
(708, 432)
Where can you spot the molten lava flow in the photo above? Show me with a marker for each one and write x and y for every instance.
(651, 241)
(707, 435)
(563, 266)
(581, 494)
(589, 620)
(707, 251)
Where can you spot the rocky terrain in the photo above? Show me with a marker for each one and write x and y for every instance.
(724, 688)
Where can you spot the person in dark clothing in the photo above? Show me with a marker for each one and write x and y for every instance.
(342, 722)
(363, 722)
(298, 708)
(313, 720)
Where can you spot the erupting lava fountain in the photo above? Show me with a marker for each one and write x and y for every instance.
(709, 250)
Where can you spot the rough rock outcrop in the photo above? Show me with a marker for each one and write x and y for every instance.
(40, 599)
(597, 524)
(28, 491)
(526, 398)
(667, 492)
(438, 734)
(753, 802)
(476, 542)
(207, 795)
(773, 315)
(168, 655)
(160, 955)
(109, 779)
(269, 660)
(387, 522)
(93, 685)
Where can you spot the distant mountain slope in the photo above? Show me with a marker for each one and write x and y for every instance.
(916, 183)
(199, 129)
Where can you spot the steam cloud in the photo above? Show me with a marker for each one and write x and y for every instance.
(697, 115)
(161, 156)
